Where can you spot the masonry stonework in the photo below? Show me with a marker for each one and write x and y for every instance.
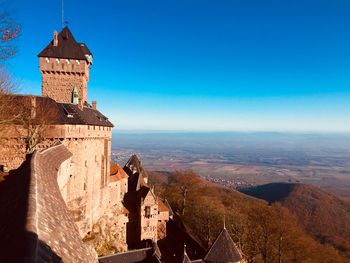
(61, 76)
(149, 217)
(84, 180)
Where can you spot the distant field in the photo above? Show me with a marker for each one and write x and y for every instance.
(245, 159)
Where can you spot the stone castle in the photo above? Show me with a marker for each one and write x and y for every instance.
(110, 206)
(85, 180)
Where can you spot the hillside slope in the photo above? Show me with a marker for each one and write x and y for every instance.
(263, 233)
(321, 214)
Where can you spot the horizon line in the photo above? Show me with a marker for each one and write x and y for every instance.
(117, 130)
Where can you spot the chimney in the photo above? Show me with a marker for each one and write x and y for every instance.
(55, 38)
(94, 104)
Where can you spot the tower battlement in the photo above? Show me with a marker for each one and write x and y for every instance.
(65, 66)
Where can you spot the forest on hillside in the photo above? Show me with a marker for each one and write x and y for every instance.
(264, 233)
(323, 215)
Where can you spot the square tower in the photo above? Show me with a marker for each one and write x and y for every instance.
(65, 65)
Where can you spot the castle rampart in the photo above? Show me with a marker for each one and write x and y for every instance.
(48, 232)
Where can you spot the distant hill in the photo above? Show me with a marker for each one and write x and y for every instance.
(322, 215)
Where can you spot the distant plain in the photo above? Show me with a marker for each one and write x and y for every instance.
(239, 160)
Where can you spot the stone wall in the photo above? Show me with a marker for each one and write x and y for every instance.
(84, 178)
(12, 152)
(87, 175)
(87, 194)
(12, 144)
(49, 233)
(59, 76)
(117, 190)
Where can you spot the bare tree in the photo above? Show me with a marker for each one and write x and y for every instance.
(27, 117)
(35, 116)
(8, 110)
(9, 32)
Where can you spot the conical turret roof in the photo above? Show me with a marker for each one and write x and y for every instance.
(223, 250)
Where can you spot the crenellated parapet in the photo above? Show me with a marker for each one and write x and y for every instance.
(64, 66)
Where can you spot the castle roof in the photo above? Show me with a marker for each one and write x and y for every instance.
(135, 166)
(136, 173)
(223, 250)
(87, 115)
(67, 47)
(139, 255)
(172, 246)
(133, 199)
(52, 112)
(117, 173)
(144, 192)
(162, 207)
(171, 212)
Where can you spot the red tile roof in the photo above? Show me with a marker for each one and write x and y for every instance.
(117, 173)
(162, 207)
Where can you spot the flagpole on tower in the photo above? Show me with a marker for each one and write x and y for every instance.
(62, 14)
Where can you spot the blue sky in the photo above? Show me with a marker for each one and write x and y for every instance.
(204, 65)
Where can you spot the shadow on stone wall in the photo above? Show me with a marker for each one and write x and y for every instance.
(14, 189)
(44, 251)
(35, 225)
(16, 243)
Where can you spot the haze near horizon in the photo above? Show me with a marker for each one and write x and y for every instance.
(204, 66)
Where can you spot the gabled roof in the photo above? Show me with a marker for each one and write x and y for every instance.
(67, 47)
(223, 250)
(136, 173)
(171, 212)
(134, 166)
(144, 192)
(133, 199)
(162, 207)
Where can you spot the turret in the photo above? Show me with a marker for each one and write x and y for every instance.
(65, 65)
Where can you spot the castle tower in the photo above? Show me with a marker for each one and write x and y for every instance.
(65, 66)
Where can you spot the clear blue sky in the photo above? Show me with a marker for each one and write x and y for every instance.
(204, 65)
